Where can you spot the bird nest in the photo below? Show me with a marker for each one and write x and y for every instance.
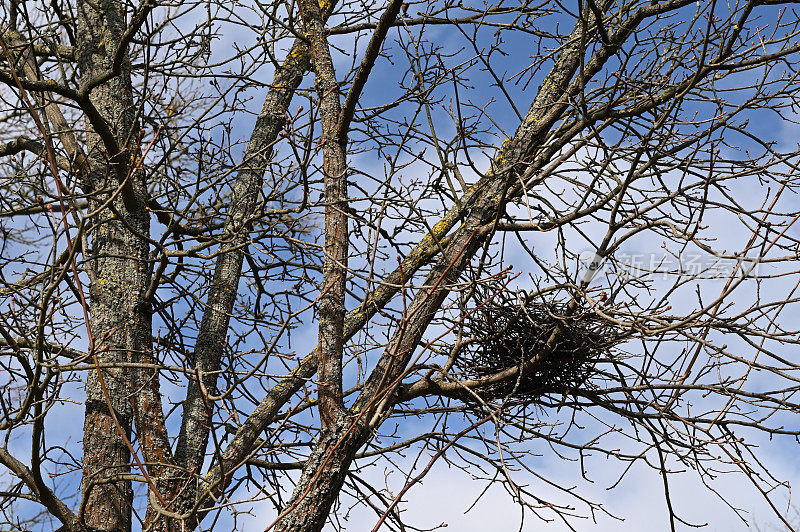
(562, 347)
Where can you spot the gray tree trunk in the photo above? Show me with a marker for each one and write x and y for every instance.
(120, 273)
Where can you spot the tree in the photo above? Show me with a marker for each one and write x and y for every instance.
(508, 227)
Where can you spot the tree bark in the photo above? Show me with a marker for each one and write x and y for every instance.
(334, 273)
(120, 317)
(322, 477)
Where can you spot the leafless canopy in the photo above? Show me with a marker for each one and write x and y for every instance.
(266, 250)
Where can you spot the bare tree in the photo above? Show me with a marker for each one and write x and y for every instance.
(510, 228)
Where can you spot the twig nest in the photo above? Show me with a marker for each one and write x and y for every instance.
(512, 330)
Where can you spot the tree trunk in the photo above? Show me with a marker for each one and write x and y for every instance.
(322, 478)
(120, 274)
